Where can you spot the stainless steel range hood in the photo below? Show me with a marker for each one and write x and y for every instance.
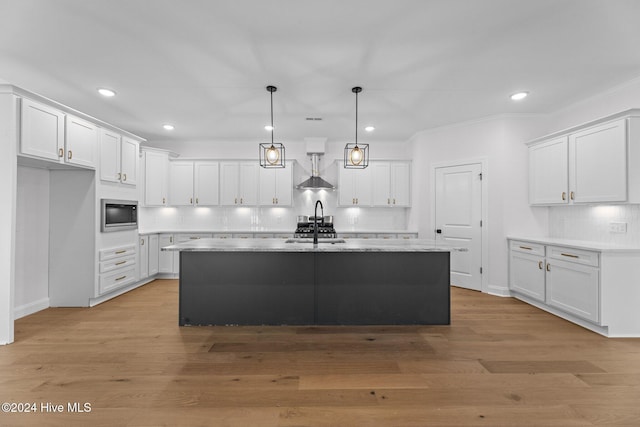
(315, 148)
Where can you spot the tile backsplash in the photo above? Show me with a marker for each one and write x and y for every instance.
(595, 222)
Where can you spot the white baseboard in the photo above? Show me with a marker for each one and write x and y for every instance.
(30, 308)
(95, 301)
(499, 291)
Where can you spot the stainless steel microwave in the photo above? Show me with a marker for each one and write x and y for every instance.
(118, 215)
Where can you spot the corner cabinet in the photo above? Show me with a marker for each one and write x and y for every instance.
(276, 186)
(593, 163)
(587, 285)
(118, 158)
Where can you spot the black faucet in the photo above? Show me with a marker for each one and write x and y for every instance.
(315, 221)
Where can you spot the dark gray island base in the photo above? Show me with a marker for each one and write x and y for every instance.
(303, 286)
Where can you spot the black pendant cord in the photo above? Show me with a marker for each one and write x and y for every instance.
(271, 118)
(356, 119)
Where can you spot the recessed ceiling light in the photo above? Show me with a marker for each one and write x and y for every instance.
(268, 127)
(519, 95)
(106, 92)
(369, 128)
(168, 127)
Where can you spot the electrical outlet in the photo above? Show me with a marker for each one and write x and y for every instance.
(617, 227)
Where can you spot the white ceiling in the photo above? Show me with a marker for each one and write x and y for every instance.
(203, 65)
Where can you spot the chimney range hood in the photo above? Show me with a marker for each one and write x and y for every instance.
(315, 148)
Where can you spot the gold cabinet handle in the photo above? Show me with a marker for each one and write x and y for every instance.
(194, 238)
(357, 201)
(124, 176)
(570, 255)
(572, 195)
(540, 265)
(235, 201)
(69, 154)
(121, 278)
(525, 247)
(394, 201)
(163, 200)
(564, 196)
(353, 201)
(170, 239)
(121, 262)
(119, 176)
(548, 267)
(191, 200)
(241, 202)
(388, 201)
(141, 242)
(60, 152)
(277, 202)
(120, 252)
(197, 201)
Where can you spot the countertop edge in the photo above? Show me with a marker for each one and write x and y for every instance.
(579, 244)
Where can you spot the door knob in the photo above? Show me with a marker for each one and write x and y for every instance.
(439, 231)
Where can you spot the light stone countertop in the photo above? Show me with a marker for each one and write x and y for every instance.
(578, 244)
(306, 245)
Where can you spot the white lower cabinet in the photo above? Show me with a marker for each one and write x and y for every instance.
(574, 288)
(527, 269)
(143, 252)
(165, 258)
(153, 254)
(117, 268)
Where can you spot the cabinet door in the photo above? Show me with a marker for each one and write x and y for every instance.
(267, 179)
(129, 162)
(156, 178)
(229, 183)
(143, 251)
(284, 185)
(81, 142)
(598, 163)
(181, 183)
(41, 131)
(574, 288)
(549, 173)
(249, 183)
(346, 187)
(364, 187)
(527, 275)
(207, 183)
(381, 177)
(165, 258)
(401, 184)
(153, 254)
(109, 156)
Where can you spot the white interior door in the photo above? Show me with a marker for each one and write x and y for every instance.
(458, 208)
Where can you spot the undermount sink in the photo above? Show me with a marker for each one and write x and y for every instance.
(320, 240)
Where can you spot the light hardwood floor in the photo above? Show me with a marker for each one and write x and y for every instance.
(499, 363)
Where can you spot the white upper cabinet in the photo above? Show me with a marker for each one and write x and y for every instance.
(194, 183)
(598, 170)
(180, 183)
(156, 174)
(549, 172)
(118, 158)
(276, 186)
(391, 184)
(591, 164)
(41, 131)
(81, 142)
(239, 183)
(355, 187)
(206, 183)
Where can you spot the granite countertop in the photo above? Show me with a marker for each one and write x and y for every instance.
(287, 231)
(280, 245)
(578, 244)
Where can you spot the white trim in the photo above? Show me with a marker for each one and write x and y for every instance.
(30, 308)
(484, 186)
(99, 300)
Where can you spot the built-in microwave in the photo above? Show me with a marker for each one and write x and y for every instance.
(118, 215)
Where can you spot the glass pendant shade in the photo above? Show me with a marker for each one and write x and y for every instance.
(272, 155)
(356, 156)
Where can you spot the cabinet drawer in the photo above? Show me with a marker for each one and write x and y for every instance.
(387, 236)
(117, 263)
(573, 255)
(117, 279)
(119, 252)
(181, 238)
(222, 236)
(243, 235)
(527, 247)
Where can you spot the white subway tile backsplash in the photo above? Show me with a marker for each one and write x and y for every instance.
(593, 223)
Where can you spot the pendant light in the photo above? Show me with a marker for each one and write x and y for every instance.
(272, 155)
(356, 156)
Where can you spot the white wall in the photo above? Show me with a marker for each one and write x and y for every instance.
(32, 241)
(8, 177)
(500, 141)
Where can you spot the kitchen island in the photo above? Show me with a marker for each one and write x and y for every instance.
(275, 282)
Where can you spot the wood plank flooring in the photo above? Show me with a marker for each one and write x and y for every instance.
(499, 363)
